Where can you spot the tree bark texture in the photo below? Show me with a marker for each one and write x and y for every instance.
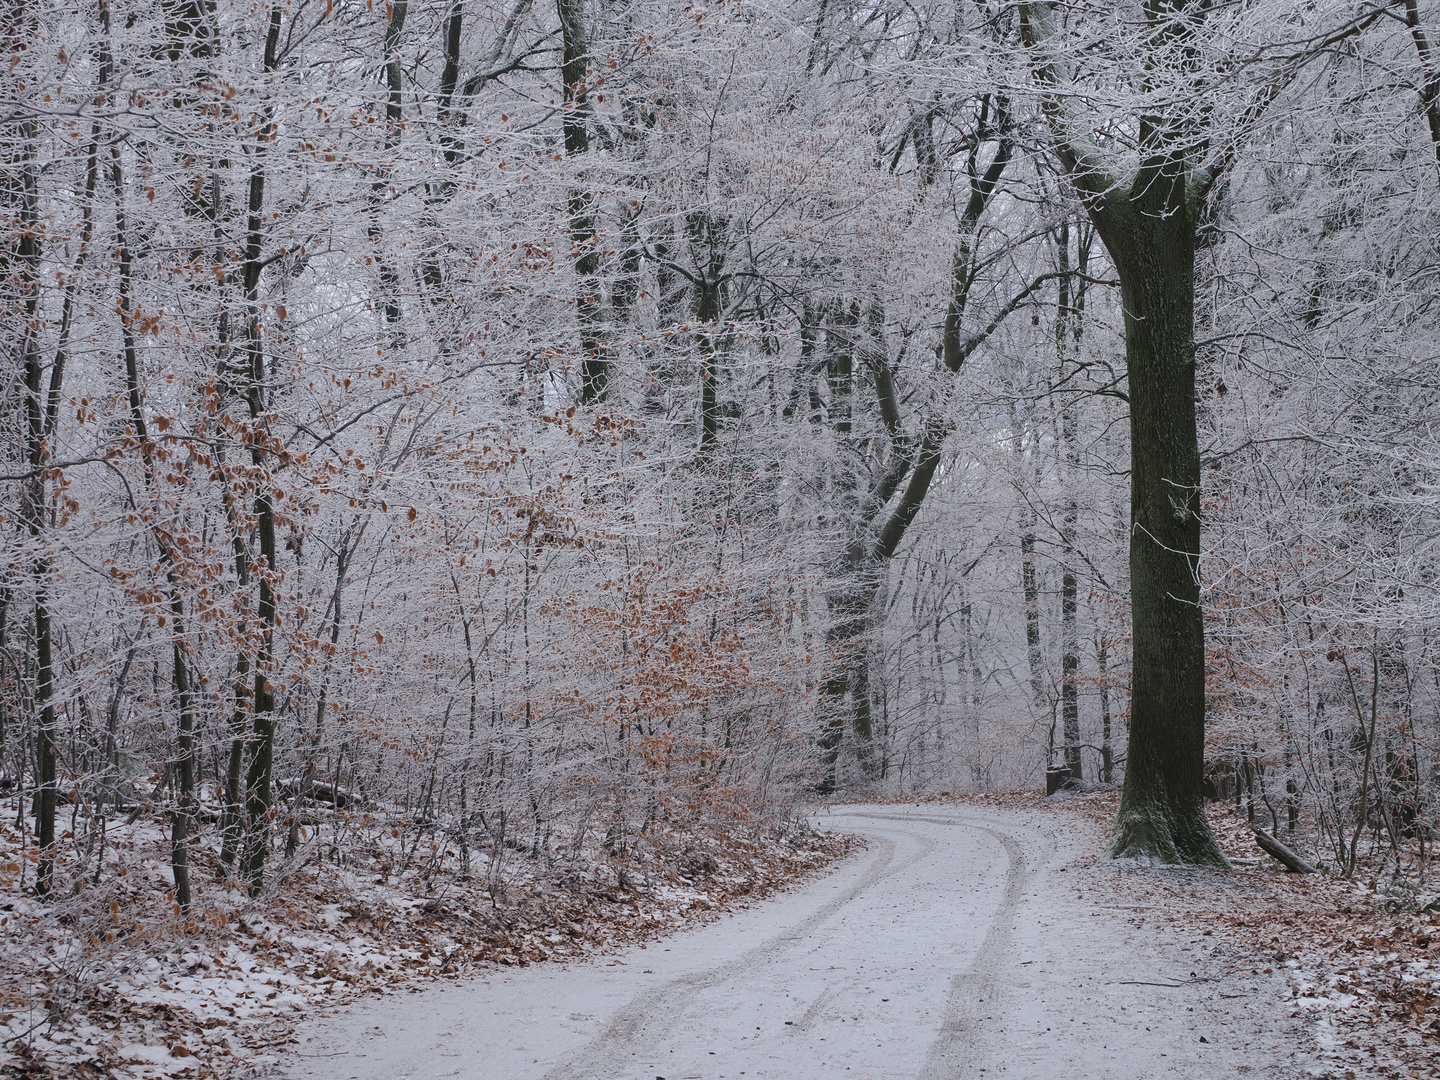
(1150, 235)
(1148, 226)
(595, 365)
(258, 794)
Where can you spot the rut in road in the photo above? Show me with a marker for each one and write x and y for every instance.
(647, 1020)
(978, 944)
(958, 1044)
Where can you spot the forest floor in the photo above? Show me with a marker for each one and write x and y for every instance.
(109, 980)
(1359, 959)
(993, 920)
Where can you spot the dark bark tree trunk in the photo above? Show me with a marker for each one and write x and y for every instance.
(1030, 594)
(232, 817)
(1069, 653)
(1068, 331)
(589, 309)
(396, 10)
(258, 795)
(1107, 754)
(34, 514)
(707, 312)
(1429, 74)
(1150, 234)
(20, 276)
(1148, 226)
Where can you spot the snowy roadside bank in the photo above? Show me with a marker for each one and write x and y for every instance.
(1032, 955)
(1359, 960)
(118, 985)
(1345, 973)
(971, 938)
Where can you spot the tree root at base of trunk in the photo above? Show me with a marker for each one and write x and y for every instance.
(1157, 835)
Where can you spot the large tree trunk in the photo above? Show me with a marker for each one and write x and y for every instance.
(1151, 239)
(1148, 226)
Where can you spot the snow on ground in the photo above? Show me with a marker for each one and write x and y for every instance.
(108, 980)
(968, 939)
(1359, 960)
(984, 936)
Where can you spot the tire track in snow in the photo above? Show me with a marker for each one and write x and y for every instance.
(880, 973)
(646, 1018)
(957, 1046)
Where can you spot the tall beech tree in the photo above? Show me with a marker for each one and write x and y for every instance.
(1146, 194)
(1148, 223)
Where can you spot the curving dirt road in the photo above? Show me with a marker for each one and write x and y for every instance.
(963, 942)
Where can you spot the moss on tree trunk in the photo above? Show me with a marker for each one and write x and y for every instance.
(1151, 240)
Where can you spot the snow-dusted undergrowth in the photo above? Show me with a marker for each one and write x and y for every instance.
(111, 980)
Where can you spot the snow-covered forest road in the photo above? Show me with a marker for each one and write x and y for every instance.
(962, 942)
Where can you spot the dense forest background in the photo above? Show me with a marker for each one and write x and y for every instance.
(542, 427)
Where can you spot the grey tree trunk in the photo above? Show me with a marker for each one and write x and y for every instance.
(232, 819)
(1070, 308)
(1107, 754)
(1030, 592)
(396, 12)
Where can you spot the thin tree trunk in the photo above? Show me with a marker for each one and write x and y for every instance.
(589, 309)
(1107, 754)
(1067, 330)
(1030, 594)
(22, 182)
(258, 796)
(707, 311)
(396, 10)
(232, 821)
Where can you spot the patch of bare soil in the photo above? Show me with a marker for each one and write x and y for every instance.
(111, 981)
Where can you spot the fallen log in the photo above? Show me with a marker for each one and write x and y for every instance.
(1293, 862)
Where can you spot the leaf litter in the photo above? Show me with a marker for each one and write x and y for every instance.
(111, 980)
